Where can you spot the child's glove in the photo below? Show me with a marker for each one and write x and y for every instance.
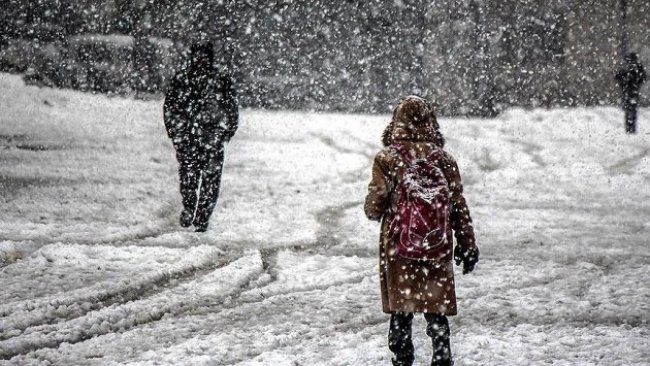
(469, 258)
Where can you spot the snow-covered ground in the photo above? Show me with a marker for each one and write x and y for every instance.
(95, 270)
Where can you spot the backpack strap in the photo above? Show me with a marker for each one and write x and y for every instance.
(435, 155)
(406, 154)
(403, 152)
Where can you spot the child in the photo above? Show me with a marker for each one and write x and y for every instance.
(417, 275)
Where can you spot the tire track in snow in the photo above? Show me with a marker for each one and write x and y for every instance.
(308, 339)
(255, 295)
(532, 149)
(16, 317)
(486, 162)
(355, 175)
(49, 235)
(283, 297)
(256, 291)
(259, 291)
(207, 291)
(271, 303)
(203, 304)
(329, 233)
(330, 142)
(117, 240)
(509, 303)
(45, 335)
(624, 166)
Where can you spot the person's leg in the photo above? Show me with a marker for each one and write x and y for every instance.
(628, 125)
(212, 167)
(399, 339)
(630, 108)
(189, 182)
(438, 330)
(632, 118)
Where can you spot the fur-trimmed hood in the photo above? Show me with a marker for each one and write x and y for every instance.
(413, 120)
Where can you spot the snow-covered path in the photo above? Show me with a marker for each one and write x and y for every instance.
(94, 269)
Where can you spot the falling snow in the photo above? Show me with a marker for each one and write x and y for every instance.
(96, 270)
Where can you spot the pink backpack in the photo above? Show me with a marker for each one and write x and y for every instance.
(419, 224)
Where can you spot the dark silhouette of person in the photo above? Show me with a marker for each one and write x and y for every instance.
(201, 115)
(630, 77)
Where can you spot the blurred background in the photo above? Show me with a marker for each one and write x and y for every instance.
(471, 57)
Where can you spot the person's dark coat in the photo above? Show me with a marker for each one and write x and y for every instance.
(407, 285)
(630, 78)
(201, 115)
(200, 107)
